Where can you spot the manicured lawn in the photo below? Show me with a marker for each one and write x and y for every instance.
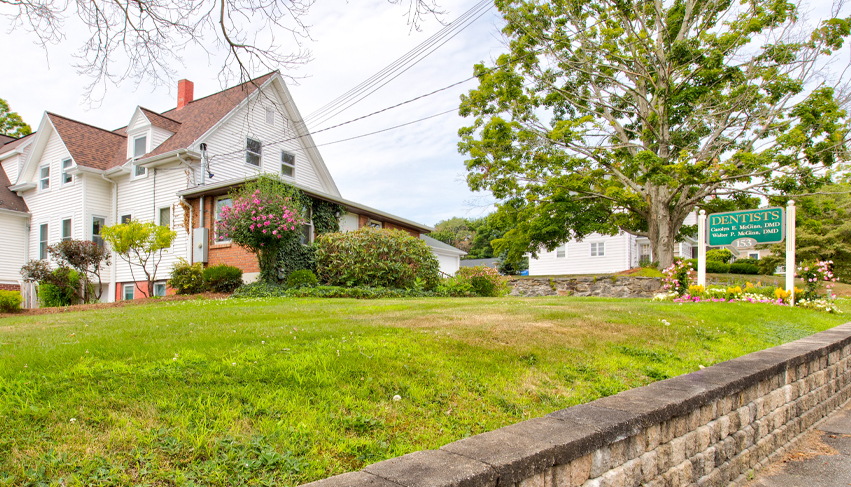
(286, 391)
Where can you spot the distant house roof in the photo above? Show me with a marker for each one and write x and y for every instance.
(492, 262)
(437, 244)
(6, 139)
(9, 200)
(12, 144)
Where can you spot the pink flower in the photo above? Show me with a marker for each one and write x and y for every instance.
(264, 230)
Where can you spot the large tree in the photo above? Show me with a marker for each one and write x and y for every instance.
(11, 123)
(144, 41)
(627, 115)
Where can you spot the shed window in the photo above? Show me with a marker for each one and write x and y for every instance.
(252, 151)
(598, 249)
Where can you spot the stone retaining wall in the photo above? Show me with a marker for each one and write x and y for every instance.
(716, 426)
(604, 286)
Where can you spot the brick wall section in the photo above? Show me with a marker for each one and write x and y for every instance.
(141, 290)
(713, 427)
(10, 287)
(363, 220)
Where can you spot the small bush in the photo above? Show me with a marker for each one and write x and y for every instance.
(743, 268)
(10, 301)
(719, 255)
(717, 267)
(302, 278)
(484, 280)
(62, 291)
(456, 287)
(187, 278)
(375, 258)
(222, 278)
(747, 261)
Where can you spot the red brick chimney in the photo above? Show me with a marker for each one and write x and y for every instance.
(185, 93)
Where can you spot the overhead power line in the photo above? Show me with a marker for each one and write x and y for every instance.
(395, 69)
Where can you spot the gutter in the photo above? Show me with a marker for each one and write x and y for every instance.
(22, 214)
(161, 158)
(20, 188)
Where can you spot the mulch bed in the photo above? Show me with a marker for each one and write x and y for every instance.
(117, 304)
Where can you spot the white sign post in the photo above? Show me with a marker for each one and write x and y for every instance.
(790, 251)
(701, 249)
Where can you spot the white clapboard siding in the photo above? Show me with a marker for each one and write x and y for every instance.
(12, 256)
(250, 121)
(158, 136)
(142, 199)
(10, 167)
(578, 259)
(57, 203)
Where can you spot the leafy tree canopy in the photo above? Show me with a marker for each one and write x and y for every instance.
(11, 123)
(610, 116)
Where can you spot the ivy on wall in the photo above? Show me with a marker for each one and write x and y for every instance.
(326, 219)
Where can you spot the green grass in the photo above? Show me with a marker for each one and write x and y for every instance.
(286, 391)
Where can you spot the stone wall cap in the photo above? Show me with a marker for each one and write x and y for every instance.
(353, 479)
(611, 424)
(569, 440)
(513, 457)
(434, 468)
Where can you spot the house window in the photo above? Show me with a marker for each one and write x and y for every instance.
(307, 229)
(165, 217)
(66, 166)
(561, 252)
(252, 151)
(42, 241)
(129, 292)
(140, 147)
(598, 249)
(645, 250)
(97, 225)
(220, 204)
(66, 229)
(374, 224)
(159, 289)
(270, 116)
(287, 164)
(44, 178)
(126, 219)
(139, 171)
(754, 255)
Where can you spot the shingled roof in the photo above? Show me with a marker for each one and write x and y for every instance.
(90, 146)
(200, 115)
(9, 200)
(14, 143)
(160, 121)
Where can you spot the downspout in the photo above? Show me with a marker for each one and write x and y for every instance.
(113, 268)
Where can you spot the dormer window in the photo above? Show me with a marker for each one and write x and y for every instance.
(140, 146)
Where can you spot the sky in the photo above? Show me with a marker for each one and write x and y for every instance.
(414, 172)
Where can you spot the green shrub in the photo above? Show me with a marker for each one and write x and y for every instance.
(302, 278)
(455, 286)
(692, 263)
(484, 280)
(295, 256)
(717, 267)
(10, 301)
(719, 255)
(222, 278)
(747, 261)
(187, 278)
(62, 291)
(375, 258)
(362, 292)
(259, 289)
(743, 268)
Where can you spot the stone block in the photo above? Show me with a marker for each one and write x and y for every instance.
(649, 466)
(636, 446)
(612, 424)
(600, 462)
(512, 457)
(435, 468)
(704, 438)
(353, 479)
(538, 480)
(580, 470)
(569, 440)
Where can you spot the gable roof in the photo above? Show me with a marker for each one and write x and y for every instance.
(197, 117)
(160, 121)
(90, 146)
(437, 244)
(9, 200)
(4, 139)
(11, 145)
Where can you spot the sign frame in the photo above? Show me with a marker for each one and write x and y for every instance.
(780, 239)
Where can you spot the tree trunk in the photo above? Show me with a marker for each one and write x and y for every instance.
(662, 228)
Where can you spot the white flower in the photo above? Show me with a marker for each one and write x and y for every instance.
(73, 420)
(397, 398)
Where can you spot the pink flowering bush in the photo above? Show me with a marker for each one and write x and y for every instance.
(676, 278)
(261, 222)
(816, 275)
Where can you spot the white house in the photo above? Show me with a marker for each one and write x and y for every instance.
(603, 254)
(448, 256)
(69, 179)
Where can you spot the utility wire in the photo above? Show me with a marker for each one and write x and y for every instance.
(380, 79)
